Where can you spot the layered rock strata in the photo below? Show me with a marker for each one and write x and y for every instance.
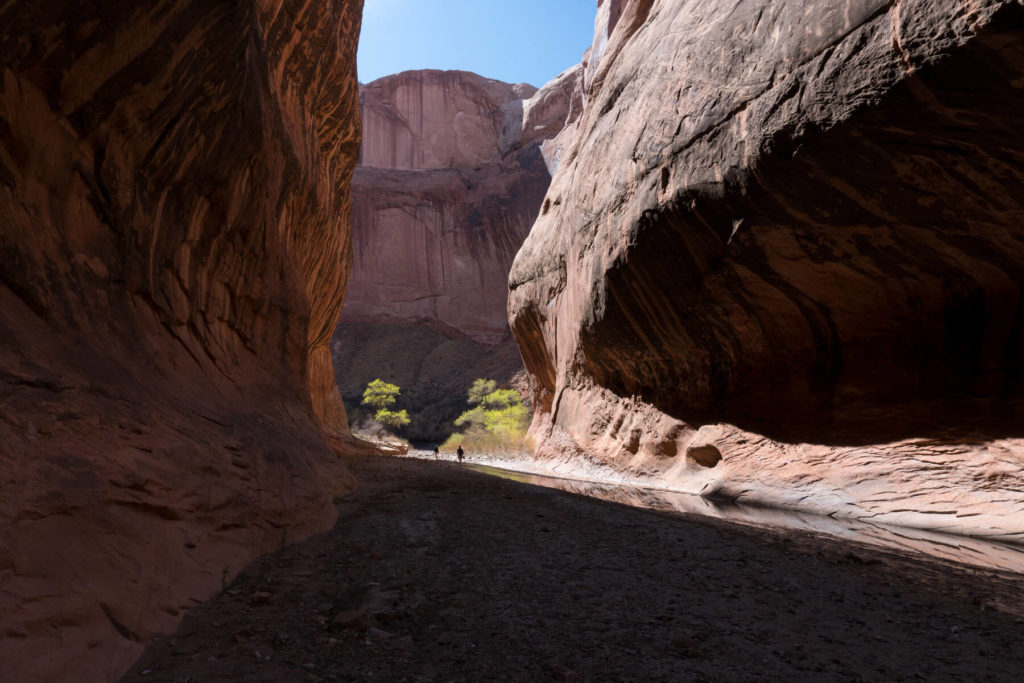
(453, 170)
(782, 259)
(174, 211)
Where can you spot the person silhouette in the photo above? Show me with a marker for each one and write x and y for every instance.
(460, 453)
(436, 449)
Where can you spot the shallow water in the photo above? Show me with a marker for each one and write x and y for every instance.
(964, 549)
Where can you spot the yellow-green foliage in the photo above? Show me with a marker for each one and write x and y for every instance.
(379, 395)
(480, 389)
(392, 418)
(497, 420)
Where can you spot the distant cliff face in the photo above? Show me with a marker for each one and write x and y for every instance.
(174, 224)
(453, 170)
(782, 257)
(451, 177)
(428, 120)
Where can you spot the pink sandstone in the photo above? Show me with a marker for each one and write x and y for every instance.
(781, 259)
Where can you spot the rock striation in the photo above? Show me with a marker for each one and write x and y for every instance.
(174, 224)
(782, 259)
(452, 173)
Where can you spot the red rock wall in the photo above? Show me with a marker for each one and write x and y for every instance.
(453, 170)
(782, 258)
(174, 208)
(450, 179)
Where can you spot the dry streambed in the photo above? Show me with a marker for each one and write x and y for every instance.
(438, 573)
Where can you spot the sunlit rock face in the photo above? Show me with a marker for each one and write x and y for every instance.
(782, 258)
(174, 220)
(451, 177)
(453, 170)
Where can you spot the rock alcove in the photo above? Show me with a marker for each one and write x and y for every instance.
(793, 234)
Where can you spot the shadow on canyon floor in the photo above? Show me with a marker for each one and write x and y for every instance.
(437, 573)
(969, 550)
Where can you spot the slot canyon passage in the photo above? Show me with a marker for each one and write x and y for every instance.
(778, 256)
(452, 173)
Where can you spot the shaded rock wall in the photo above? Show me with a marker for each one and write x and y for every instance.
(433, 367)
(783, 258)
(174, 211)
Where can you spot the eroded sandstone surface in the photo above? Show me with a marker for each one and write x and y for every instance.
(174, 212)
(782, 259)
(452, 173)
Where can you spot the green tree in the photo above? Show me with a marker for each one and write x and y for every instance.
(497, 412)
(480, 389)
(472, 418)
(509, 422)
(392, 418)
(379, 395)
(500, 399)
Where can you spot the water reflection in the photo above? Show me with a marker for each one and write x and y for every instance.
(963, 549)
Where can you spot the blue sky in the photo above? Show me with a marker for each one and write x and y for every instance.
(528, 41)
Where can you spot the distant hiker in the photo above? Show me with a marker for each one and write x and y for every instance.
(436, 450)
(460, 453)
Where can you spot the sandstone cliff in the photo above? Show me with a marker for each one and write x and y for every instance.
(452, 173)
(782, 258)
(173, 222)
(451, 176)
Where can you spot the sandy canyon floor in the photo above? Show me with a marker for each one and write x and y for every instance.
(436, 573)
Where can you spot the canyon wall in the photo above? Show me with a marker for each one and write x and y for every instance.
(174, 220)
(450, 179)
(452, 173)
(782, 259)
